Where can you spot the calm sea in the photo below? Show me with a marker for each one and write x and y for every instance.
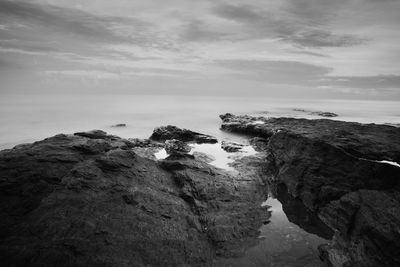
(27, 118)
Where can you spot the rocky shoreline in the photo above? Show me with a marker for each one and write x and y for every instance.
(93, 199)
(342, 172)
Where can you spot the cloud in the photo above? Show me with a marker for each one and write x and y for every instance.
(366, 82)
(281, 72)
(197, 31)
(322, 38)
(71, 21)
(287, 27)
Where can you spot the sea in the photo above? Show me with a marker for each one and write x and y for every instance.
(29, 118)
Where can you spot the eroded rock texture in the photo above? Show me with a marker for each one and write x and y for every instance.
(334, 168)
(89, 200)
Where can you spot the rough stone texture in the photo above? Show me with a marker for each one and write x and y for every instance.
(172, 132)
(231, 147)
(175, 146)
(89, 200)
(332, 167)
(317, 113)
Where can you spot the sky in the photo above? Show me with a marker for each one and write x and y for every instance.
(346, 49)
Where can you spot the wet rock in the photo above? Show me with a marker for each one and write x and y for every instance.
(231, 147)
(176, 146)
(203, 157)
(333, 168)
(63, 206)
(94, 134)
(89, 200)
(259, 144)
(172, 132)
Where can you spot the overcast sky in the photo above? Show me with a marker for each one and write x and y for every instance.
(295, 48)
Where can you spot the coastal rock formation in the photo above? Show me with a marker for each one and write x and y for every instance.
(89, 199)
(176, 146)
(169, 132)
(119, 125)
(317, 113)
(231, 147)
(338, 170)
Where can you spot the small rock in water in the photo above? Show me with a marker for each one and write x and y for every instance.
(119, 125)
(172, 132)
(317, 113)
(324, 114)
(174, 146)
(94, 134)
(231, 147)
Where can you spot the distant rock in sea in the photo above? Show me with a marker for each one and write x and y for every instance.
(317, 113)
(119, 125)
(172, 132)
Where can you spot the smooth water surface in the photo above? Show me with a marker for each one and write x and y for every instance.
(27, 118)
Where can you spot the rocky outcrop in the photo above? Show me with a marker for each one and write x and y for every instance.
(172, 132)
(317, 113)
(334, 168)
(89, 199)
(119, 125)
(231, 147)
(176, 146)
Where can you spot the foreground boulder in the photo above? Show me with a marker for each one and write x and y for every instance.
(89, 200)
(172, 132)
(339, 171)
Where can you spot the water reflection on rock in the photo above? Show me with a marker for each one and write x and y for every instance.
(291, 238)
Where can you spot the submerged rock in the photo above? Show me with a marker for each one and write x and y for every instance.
(334, 169)
(172, 132)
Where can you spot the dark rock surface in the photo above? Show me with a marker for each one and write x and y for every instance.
(332, 168)
(324, 114)
(89, 200)
(317, 113)
(119, 125)
(231, 147)
(176, 146)
(172, 132)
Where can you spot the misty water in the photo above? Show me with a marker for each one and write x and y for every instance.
(27, 118)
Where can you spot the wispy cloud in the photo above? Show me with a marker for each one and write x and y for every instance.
(339, 45)
(287, 27)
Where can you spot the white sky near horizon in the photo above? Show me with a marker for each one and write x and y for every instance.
(298, 48)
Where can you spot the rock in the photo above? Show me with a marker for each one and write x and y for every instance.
(119, 125)
(94, 134)
(89, 200)
(334, 169)
(259, 144)
(172, 132)
(203, 157)
(317, 113)
(176, 146)
(324, 114)
(231, 147)
(369, 141)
